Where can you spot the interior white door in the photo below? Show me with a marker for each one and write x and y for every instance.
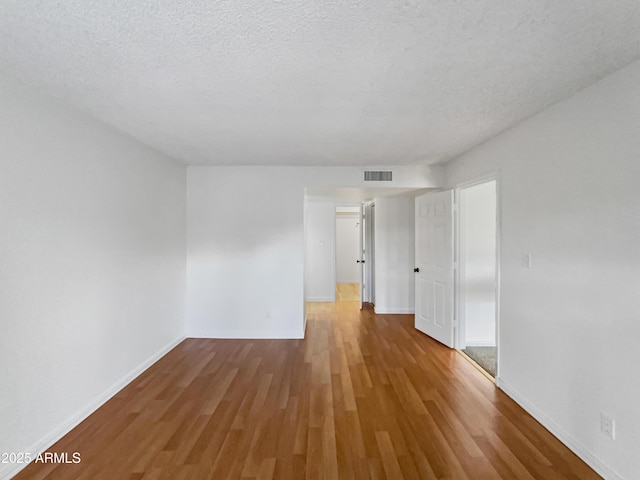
(435, 266)
(361, 258)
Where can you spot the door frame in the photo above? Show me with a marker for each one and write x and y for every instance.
(358, 216)
(458, 320)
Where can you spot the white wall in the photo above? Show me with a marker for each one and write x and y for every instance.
(246, 249)
(92, 255)
(320, 252)
(570, 325)
(477, 209)
(394, 251)
(347, 245)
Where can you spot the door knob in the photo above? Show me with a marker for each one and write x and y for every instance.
(416, 270)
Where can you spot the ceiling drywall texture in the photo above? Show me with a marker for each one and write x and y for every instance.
(309, 82)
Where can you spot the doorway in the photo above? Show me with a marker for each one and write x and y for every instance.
(348, 266)
(477, 274)
(369, 291)
(456, 274)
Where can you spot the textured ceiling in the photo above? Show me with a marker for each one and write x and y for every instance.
(310, 82)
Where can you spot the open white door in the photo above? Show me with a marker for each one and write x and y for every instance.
(361, 258)
(435, 266)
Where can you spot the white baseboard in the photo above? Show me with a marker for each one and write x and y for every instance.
(320, 299)
(392, 311)
(561, 434)
(9, 470)
(246, 335)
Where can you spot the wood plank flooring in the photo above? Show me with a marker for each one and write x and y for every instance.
(346, 292)
(364, 396)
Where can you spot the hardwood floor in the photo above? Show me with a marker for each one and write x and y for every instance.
(346, 292)
(364, 396)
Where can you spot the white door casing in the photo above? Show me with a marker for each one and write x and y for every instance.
(434, 282)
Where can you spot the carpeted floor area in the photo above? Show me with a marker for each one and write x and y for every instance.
(483, 356)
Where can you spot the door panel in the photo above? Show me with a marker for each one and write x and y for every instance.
(434, 260)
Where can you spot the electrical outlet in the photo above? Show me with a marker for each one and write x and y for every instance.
(608, 426)
(526, 260)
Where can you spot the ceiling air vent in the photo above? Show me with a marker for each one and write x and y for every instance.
(371, 176)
